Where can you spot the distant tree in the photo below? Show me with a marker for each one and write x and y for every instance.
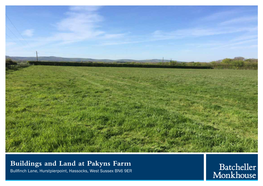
(213, 63)
(173, 63)
(238, 63)
(226, 61)
(9, 61)
(251, 60)
(191, 64)
(239, 58)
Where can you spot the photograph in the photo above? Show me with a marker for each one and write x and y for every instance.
(131, 79)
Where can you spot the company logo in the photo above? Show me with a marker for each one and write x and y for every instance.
(236, 171)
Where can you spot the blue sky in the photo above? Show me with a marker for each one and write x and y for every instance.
(184, 33)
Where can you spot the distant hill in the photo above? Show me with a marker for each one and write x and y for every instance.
(54, 58)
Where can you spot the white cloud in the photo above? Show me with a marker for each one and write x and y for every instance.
(231, 44)
(84, 23)
(198, 32)
(81, 23)
(243, 20)
(28, 32)
(84, 8)
(235, 44)
(220, 15)
(121, 42)
(10, 43)
(159, 35)
(245, 37)
(80, 19)
(244, 47)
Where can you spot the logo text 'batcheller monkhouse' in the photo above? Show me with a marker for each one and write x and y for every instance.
(235, 171)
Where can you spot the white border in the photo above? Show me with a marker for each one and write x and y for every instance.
(129, 2)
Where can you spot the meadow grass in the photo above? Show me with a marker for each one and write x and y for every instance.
(104, 109)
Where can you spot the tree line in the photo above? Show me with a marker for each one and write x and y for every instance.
(227, 63)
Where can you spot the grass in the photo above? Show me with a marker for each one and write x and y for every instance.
(100, 109)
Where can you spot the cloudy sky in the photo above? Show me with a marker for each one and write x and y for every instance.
(184, 33)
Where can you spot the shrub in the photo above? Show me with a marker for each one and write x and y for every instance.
(226, 61)
(9, 62)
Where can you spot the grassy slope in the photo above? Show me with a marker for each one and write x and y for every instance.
(89, 109)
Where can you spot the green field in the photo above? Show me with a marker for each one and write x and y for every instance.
(104, 109)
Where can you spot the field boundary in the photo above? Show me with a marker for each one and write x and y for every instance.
(113, 65)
